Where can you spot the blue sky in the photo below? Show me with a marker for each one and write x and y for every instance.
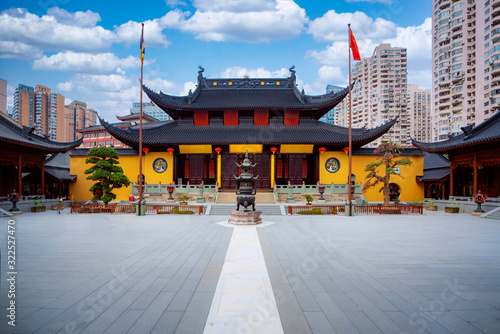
(89, 50)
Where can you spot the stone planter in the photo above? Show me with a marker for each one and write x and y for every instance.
(57, 207)
(429, 207)
(38, 208)
(308, 203)
(451, 209)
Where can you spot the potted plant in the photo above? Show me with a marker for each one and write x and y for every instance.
(396, 201)
(58, 206)
(452, 208)
(309, 199)
(430, 206)
(39, 206)
(183, 199)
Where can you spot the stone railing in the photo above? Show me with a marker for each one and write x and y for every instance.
(313, 189)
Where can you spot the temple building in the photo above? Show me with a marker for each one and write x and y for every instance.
(474, 157)
(23, 153)
(214, 125)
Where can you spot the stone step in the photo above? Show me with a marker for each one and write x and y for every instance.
(223, 209)
(494, 214)
(260, 198)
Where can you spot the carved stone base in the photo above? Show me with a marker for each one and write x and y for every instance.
(245, 218)
(477, 214)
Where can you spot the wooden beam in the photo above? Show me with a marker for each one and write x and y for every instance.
(474, 191)
(451, 179)
(43, 175)
(20, 174)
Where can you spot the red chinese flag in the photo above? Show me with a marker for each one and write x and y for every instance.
(354, 47)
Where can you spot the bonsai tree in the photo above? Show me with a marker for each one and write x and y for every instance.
(106, 172)
(309, 198)
(389, 158)
(183, 198)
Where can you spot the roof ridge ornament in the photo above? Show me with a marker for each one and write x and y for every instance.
(467, 130)
(200, 72)
(292, 71)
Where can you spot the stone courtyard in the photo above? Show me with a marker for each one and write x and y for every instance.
(102, 273)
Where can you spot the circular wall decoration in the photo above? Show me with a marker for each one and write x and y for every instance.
(332, 165)
(160, 165)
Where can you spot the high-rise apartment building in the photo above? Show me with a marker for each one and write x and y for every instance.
(466, 54)
(3, 96)
(151, 109)
(40, 108)
(419, 113)
(24, 111)
(329, 117)
(379, 94)
(77, 116)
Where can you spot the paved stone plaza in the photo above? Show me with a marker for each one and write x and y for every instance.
(102, 273)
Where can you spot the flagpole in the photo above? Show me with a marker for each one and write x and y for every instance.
(349, 196)
(140, 131)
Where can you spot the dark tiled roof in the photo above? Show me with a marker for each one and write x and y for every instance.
(487, 131)
(256, 93)
(307, 132)
(61, 174)
(435, 160)
(58, 160)
(24, 136)
(80, 152)
(435, 174)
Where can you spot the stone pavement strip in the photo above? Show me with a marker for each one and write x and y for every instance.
(244, 300)
(103, 273)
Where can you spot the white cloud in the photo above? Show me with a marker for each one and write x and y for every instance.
(94, 83)
(18, 50)
(240, 72)
(326, 75)
(280, 19)
(187, 87)
(332, 26)
(79, 19)
(102, 63)
(47, 33)
(130, 32)
(174, 3)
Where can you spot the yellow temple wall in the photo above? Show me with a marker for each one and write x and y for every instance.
(80, 189)
(410, 188)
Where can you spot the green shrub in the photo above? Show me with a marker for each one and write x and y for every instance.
(314, 211)
(176, 211)
(309, 198)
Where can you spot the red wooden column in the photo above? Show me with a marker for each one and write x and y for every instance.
(43, 175)
(451, 178)
(475, 175)
(20, 174)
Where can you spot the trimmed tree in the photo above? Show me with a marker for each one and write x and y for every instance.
(389, 154)
(106, 171)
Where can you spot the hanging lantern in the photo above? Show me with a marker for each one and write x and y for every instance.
(218, 150)
(321, 150)
(170, 150)
(346, 150)
(274, 150)
(145, 150)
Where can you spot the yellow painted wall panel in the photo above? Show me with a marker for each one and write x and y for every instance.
(195, 149)
(410, 188)
(241, 148)
(130, 164)
(296, 148)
